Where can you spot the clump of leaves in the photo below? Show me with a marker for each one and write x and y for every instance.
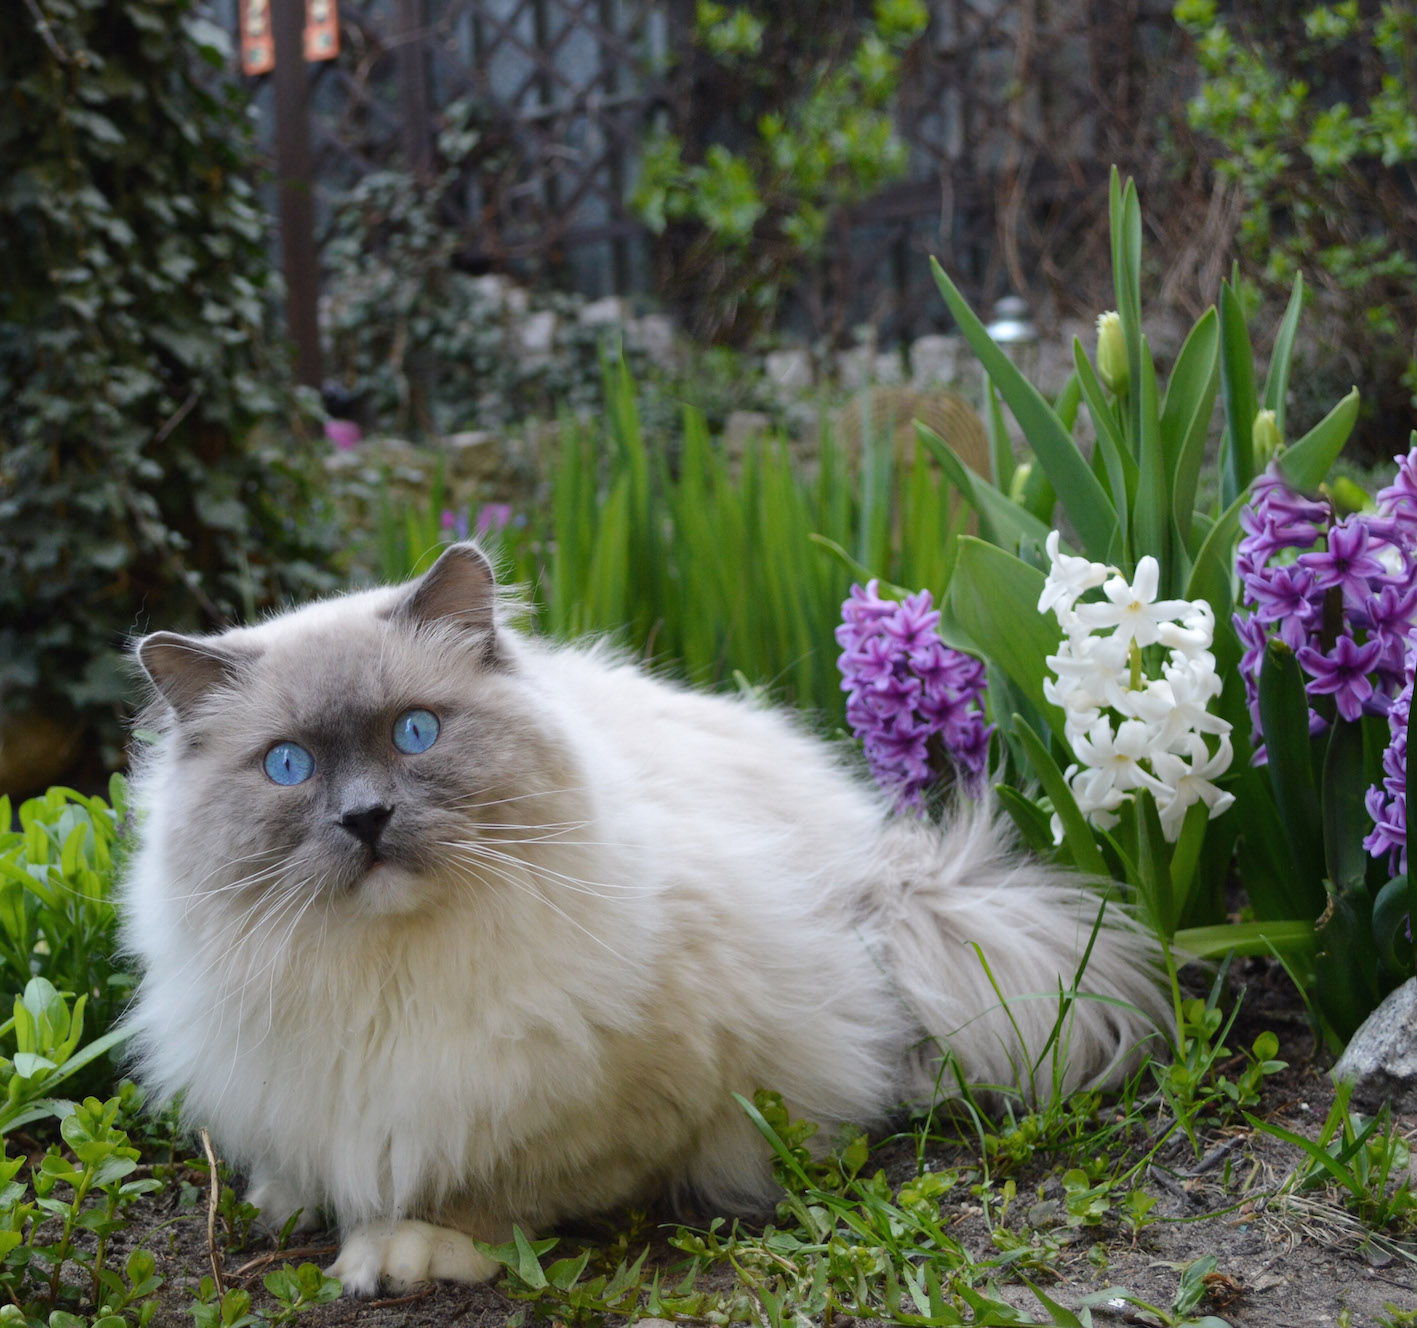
(424, 347)
(56, 911)
(146, 462)
(1302, 112)
(809, 131)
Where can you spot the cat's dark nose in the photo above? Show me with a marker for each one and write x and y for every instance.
(366, 824)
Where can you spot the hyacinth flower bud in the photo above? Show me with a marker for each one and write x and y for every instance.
(1112, 352)
(1266, 439)
(1018, 485)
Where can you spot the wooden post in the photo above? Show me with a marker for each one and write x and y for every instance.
(415, 107)
(299, 259)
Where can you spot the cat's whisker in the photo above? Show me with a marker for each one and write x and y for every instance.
(482, 849)
(512, 879)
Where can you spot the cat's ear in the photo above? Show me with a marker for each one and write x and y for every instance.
(184, 669)
(459, 590)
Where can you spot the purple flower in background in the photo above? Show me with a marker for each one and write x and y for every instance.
(454, 524)
(344, 434)
(1387, 802)
(494, 518)
(910, 697)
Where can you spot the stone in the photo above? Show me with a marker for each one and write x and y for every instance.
(605, 312)
(474, 454)
(740, 427)
(492, 288)
(889, 368)
(1381, 1058)
(934, 361)
(789, 370)
(855, 367)
(657, 337)
(536, 337)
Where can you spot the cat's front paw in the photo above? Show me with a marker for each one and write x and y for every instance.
(402, 1254)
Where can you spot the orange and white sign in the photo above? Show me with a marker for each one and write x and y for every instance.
(258, 48)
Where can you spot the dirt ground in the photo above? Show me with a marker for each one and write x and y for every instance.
(1281, 1263)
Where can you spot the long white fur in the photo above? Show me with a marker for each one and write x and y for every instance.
(714, 905)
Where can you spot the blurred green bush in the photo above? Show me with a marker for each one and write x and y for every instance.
(147, 469)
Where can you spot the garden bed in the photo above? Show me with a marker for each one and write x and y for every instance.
(1283, 1255)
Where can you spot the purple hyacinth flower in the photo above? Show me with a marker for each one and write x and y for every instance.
(906, 688)
(1387, 802)
(1346, 562)
(1342, 674)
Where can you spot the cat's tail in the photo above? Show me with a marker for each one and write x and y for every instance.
(1014, 971)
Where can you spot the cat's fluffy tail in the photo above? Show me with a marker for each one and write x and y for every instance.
(985, 948)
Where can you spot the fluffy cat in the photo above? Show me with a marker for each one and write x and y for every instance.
(446, 929)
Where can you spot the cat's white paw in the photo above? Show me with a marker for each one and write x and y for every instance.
(277, 1202)
(402, 1254)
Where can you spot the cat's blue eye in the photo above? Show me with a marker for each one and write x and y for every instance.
(289, 763)
(415, 731)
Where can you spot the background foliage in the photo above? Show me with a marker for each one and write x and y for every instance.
(804, 128)
(146, 473)
(1316, 123)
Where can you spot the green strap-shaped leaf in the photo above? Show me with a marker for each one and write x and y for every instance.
(1031, 819)
(1306, 464)
(1245, 938)
(1002, 521)
(1151, 515)
(1237, 376)
(1276, 384)
(1116, 456)
(1076, 832)
(1284, 715)
(1391, 911)
(1082, 496)
(1186, 412)
(994, 598)
(1001, 449)
(1346, 819)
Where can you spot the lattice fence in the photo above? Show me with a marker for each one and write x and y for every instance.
(1013, 110)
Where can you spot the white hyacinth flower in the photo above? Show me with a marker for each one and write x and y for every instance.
(1067, 579)
(1133, 608)
(1190, 783)
(1131, 731)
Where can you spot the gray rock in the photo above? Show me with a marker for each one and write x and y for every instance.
(656, 335)
(789, 370)
(934, 361)
(606, 311)
(1381, 1060)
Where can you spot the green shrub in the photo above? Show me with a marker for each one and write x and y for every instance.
(145, 469)
(809, 131)
(1316, 122)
